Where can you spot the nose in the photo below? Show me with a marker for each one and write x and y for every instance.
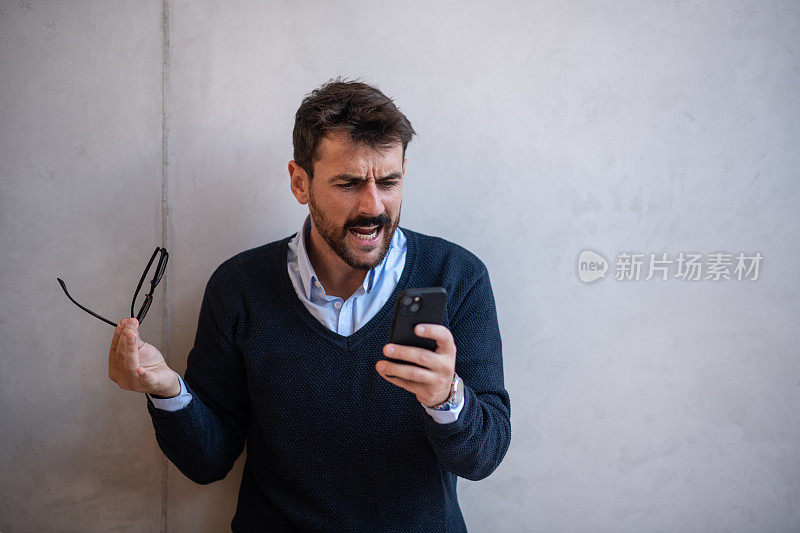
(370, 202)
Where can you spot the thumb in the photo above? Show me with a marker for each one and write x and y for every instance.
(147, 379)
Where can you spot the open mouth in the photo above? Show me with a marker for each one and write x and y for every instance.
(366, 234)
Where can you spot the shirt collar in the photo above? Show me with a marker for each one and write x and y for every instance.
(307, 275)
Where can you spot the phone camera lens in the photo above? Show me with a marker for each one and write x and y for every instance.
(407, 300)
(414, 308)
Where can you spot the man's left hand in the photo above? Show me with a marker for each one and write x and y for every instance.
(431, 384)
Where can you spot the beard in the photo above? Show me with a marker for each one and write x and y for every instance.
(336, 237)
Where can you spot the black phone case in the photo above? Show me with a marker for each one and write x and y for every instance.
(433, 304)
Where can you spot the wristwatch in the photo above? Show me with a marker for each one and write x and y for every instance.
(456, 395)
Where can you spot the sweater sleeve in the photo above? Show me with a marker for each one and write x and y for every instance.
(474, 444)
(205, 438)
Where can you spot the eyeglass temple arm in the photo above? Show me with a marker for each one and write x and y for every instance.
(61, 282)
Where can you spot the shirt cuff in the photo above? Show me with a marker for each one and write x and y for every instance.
(173, 404)
(446, 417)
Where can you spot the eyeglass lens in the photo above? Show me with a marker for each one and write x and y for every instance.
(161, 268)
(159, 273)
(145, 307)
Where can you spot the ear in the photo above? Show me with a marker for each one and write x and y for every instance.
(404, 166)
(298, 182)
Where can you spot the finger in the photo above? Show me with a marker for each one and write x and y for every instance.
(420, 376)
(129, 347)
(135, 326)
(410, 386)
(119, 349)
(132, 348)
(113, 371)
(439, 333)
(113, 349)
(413, 354)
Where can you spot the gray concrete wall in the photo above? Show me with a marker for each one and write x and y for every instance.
(80, 198)
(544, 129)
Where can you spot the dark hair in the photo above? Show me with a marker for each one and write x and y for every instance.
(368, 115)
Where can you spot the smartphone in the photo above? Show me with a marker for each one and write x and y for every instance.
(425, 305)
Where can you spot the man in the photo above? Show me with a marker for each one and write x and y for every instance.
(289, 353)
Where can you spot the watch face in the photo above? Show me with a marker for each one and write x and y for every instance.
(458, 390)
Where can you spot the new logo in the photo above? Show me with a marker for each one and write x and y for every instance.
(591, 266)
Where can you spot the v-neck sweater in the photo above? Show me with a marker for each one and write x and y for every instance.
(264, 371)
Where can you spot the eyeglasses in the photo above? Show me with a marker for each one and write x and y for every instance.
(148, 299)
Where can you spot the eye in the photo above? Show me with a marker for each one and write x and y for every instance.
(389, 184)
(348, 185)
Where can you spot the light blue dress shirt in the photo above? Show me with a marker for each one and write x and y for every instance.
(344, 317)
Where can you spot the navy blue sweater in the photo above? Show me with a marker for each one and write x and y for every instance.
(331, 445)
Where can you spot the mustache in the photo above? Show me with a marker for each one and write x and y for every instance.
(380, 220)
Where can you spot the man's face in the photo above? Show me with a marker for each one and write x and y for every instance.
(355, 199)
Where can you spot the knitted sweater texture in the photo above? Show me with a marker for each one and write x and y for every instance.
(331, 445)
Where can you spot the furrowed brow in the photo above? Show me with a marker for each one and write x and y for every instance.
(352, 177)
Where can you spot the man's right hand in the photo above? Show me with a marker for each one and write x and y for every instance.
(138, 366)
